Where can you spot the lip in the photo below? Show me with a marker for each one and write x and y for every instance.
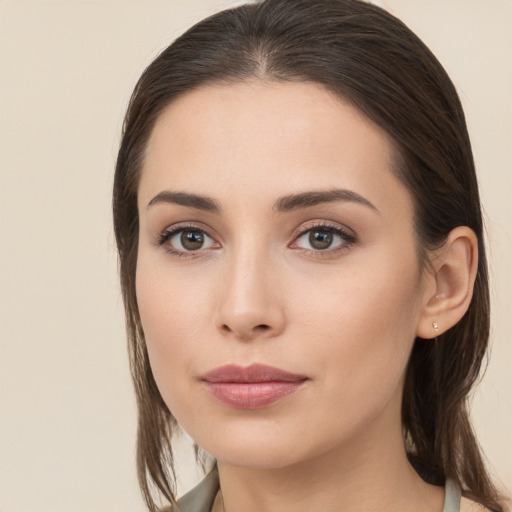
(251, 387)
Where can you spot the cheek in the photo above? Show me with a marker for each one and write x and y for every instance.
(361, 327)
(360, 297)
(170, 315)
(171, 302)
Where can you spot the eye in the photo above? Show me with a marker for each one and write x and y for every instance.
(323, 238)
(182, 240)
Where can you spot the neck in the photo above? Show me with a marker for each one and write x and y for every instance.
(364, 475)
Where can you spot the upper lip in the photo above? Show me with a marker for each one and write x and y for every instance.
(252, 373)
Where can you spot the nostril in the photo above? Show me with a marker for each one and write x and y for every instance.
(262, 327)
(259, 327)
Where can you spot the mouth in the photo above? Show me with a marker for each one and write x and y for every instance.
(251, 387)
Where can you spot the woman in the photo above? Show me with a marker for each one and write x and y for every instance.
(302, 263)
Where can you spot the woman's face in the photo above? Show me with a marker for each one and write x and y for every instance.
(273, 232)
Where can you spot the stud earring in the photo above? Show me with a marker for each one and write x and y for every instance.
(435, 326)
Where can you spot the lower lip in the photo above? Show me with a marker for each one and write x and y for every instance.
(252, 395)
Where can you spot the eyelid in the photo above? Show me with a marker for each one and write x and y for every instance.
(321, 223)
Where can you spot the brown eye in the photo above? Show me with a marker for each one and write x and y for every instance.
(320, 239)
(192, 240)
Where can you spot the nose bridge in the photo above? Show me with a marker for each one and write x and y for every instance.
(249, 304)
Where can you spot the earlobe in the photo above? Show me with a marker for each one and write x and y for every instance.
(454, 269)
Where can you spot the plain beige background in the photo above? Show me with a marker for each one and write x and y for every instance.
(67, 68)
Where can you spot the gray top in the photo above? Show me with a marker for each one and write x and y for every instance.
(202, 496)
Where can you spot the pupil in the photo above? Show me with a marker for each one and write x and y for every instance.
(192, 240)
(320, 239)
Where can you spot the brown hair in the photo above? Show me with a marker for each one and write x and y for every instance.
(374, 61)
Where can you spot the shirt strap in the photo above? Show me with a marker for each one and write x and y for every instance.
(452, 496)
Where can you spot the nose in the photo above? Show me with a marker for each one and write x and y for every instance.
(250, 306)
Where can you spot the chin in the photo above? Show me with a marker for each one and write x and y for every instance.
(266, 447)
(256, 457)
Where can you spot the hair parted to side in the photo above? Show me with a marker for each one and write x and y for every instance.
(370, 58)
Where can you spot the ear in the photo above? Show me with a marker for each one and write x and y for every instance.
(450, 284)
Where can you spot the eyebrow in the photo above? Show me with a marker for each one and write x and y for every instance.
(184, 199)
(283, 204)
(313, 198)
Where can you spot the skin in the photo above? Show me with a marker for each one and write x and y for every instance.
(345, 317)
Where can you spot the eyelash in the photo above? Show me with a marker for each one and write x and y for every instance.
(347, 238)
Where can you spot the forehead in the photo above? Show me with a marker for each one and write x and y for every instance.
(266, 137)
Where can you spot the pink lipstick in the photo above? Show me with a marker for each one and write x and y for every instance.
(251, 387)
